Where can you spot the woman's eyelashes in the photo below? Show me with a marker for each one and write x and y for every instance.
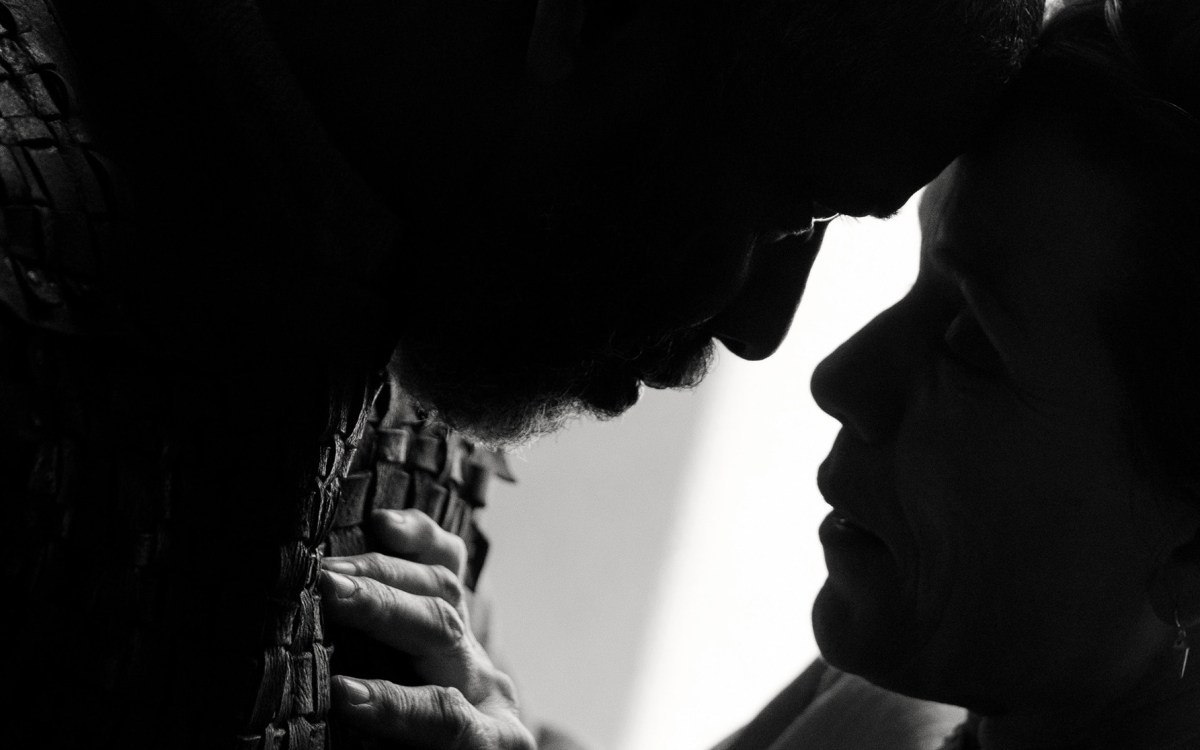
(967, 343)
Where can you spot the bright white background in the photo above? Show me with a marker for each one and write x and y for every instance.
(653, 575)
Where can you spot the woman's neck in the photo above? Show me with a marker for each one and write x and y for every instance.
(1168, 721)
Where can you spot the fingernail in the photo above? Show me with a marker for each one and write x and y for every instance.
(340, 566)
(356, 692)
(342, 586)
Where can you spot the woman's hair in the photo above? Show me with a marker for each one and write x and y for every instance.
(1124, 77)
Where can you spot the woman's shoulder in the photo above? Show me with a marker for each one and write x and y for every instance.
(828, 709)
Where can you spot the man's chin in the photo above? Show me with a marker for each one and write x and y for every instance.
(506, 399)
(507, 418)
(509, 426)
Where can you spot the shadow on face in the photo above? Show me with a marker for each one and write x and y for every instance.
(589, 180)
(1009, 532)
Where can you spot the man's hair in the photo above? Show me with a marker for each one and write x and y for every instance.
(854, 51)
(1124, 77)
(987, 38)
(583, 276)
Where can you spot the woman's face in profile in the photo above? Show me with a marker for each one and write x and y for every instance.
(999, 540)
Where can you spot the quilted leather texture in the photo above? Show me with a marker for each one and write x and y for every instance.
(166, 520)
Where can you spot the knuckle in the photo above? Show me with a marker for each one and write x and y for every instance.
(427, 534)
(382, 520)
(372, 558)
(450, 628)
(458, 550)
(505, 731)
(414, 519)
(392, 699)
(371, 563)
(505, 687)
(381, 603)
(388, 515)
(523, 740)
(390, 598)
(447, 585)
(409, 531)
(421, 517)
(398, 524)
(454, 712)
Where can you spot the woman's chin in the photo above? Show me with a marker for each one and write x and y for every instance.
(863, 638)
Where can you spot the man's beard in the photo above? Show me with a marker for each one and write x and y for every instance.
(528, 303)
(530, 325)
(509, 397)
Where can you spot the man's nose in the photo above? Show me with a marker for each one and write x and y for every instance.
(758, 319)
(864, 383)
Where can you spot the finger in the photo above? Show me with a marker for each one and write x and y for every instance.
(429, 716)
(426, 716)
(430, 629)
(417, 625)
(415, 535)
(405, 575)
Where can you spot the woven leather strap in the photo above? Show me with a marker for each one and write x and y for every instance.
(166, 523)
(64, 204)
(291, 704)
(406, 461)
(84, 478)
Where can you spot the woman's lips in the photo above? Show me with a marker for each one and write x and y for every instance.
(857, 560)
(846, 519)
(841, 529)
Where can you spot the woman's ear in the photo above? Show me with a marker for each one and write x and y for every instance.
(557, 25)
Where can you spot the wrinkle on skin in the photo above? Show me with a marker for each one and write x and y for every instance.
(1023, 536)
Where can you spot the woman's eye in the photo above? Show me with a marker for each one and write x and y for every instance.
(968, 343)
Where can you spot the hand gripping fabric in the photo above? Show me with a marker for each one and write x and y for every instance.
(406, 461)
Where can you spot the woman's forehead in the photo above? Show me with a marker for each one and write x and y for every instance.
(1028, 201)
(957, 236)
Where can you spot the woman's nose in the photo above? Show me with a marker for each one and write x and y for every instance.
(864, 382)
(758, 319)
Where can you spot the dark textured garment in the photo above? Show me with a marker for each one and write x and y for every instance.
(186, 376)
(825, 708)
